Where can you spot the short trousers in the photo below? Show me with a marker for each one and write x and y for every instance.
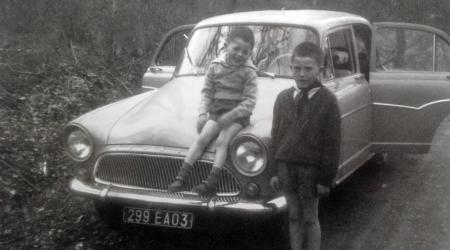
(298, 178)
(222, 106)
(302, 208)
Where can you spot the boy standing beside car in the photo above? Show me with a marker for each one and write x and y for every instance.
(305, 145)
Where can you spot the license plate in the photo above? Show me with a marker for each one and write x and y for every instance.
(155, 217)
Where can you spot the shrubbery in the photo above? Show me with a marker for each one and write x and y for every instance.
(62, 58)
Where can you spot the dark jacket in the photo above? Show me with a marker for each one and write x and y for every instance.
(315, 140)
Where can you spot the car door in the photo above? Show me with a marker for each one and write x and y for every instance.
(344, 75)
(410, 85)
(166, 57)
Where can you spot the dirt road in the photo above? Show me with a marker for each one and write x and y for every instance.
(404, 205)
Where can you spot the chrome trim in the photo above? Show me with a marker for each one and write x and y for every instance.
(434, 52)
(356, 154)
(148, 87)
(151, 149)
(342, 178)
(401, 143)
(411, 107)
(355, 110)
(243, 138)
(279, 202)
(104, 192)
(166, 175)
(190, 201)
(68, 129)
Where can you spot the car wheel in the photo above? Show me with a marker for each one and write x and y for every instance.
(110, 213)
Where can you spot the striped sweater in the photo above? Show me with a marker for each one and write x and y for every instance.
(224, 81)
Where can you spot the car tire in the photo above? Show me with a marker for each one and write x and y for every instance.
(110, 213)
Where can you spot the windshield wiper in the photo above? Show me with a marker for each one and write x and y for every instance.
(265, 73)
(190, 61)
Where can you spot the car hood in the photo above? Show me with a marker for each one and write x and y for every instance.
(168, 116)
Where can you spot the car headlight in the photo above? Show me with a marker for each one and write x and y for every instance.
(249, 155)
(78, 143)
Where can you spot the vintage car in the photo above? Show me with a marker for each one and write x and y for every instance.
(392, 82)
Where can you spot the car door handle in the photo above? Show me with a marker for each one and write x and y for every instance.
(448, 77)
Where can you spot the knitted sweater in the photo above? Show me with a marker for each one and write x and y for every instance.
(315, 141)
(224, 81)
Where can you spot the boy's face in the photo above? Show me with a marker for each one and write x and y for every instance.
(238, 52)
(305, 71)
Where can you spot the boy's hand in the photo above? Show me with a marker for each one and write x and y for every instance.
(201, 122)
(322, 190)
(275, 183)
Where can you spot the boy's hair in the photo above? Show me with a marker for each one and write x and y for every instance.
(308, 49)
(242, 32)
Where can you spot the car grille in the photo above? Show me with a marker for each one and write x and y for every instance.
(156, 172)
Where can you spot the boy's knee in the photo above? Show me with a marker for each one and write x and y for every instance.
(311, 208)
(222, 142)
(310, 220)
(294, 218)
(203, 141)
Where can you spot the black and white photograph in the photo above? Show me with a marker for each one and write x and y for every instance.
(225, 124)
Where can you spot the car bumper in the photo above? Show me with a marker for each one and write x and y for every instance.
(156, 198)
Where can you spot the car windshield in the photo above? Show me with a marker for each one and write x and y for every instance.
(271, 53)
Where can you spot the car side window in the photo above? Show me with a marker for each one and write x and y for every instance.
(340, 56)
(172, 49)
(400, 49)
(442, 55)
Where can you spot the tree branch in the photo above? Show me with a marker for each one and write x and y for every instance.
(23, 72)
(73, 52)
(20, 174)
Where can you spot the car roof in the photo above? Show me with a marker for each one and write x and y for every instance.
(319, 19)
